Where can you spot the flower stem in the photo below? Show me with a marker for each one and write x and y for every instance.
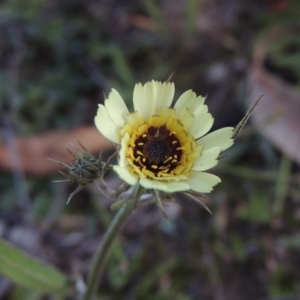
(101, 255)
(105, 246)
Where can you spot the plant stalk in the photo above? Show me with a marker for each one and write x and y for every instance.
(101, 255)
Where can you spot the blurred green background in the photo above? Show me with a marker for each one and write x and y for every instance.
(57, 58)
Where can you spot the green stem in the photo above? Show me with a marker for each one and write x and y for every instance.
(101, 255)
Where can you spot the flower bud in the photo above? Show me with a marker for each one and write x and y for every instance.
(84, 169)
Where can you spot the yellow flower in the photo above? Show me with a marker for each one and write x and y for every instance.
(163, 147)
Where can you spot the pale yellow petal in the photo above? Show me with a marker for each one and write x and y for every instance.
(190, 100)
(202, 182)
(116, 108)
(219, 138)
(176, 178)
(207, 159)
(153, 96)
(202, 123)
(126, 174)
(169, 187)
(134, 118)
(186, 118)
(173, 187)
(142, 98)
(164, 96)
(200, 101)
(123, 162)
(106, 125)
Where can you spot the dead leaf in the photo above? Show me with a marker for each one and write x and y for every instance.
(30, 154)
(277, 115)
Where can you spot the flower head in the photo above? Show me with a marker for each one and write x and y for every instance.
(163, 147)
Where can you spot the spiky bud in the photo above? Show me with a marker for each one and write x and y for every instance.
(84, 169)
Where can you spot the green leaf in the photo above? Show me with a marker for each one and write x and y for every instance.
(28, 272)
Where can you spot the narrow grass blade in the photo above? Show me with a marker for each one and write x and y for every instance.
(243, 122)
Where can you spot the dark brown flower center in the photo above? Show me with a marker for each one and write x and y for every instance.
(158, 150)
